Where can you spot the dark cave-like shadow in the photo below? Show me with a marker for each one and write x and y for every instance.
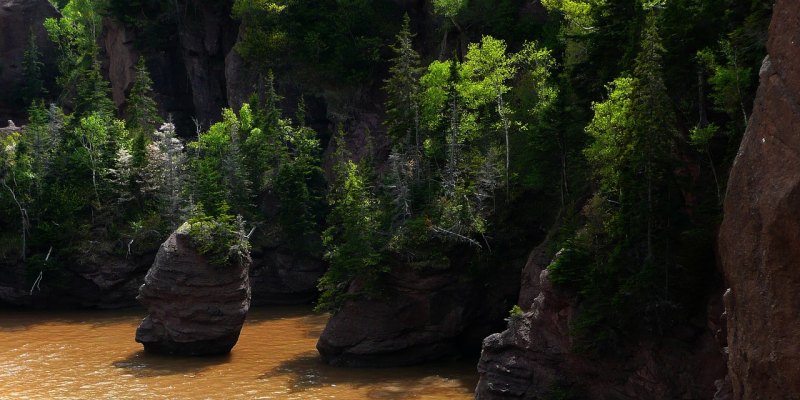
(143, 364)
(307, 371)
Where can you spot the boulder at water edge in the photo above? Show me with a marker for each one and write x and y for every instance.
(422, 315)
(194, 308)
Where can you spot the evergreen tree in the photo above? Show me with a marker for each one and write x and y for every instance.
(33, 85)
(142, 108)
(654, 120)
(94, 93)
(621, 261)
(41, 140)
(298, 186)
(75, 33)
(402, 89)
(352, 240)
(165, 172)
(218, 175)
(264, 147)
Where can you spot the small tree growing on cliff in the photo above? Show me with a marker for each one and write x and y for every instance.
(218, 176)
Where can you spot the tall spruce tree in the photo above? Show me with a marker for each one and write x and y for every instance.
(94, 92)
(402, 89)
(620, 262)
(33, 85)
(142, 108)
(654, 121)
(352, 240)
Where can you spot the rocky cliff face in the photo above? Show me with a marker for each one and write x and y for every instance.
(190, 70)
(194, 308)
(99, 278)
(207, 34)
(19, 19)
(279, 276)
(758, 240)
(533, 358)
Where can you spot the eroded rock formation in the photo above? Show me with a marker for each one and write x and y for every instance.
(424, 315)
(533, 358)
(194, 308)
(759, 241)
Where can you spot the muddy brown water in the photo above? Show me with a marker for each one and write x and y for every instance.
(92, 355)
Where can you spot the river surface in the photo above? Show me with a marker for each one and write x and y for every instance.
(93, 355)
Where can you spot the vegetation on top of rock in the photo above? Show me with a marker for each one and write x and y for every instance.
(222, 238)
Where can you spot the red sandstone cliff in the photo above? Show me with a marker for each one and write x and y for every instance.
(759, 241)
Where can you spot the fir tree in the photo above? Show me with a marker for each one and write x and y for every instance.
(165, 165)
(352, 240)
(654, 122)
(264, 147)
(142, 108)
(298, 186)
(94, 93)
(402, 89)
(33, 85)
(624, 261)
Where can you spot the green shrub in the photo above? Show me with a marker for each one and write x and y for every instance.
(222, 239)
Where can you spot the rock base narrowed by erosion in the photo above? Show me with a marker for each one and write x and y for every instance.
(423, 315)
(195, 309)
(759, 240)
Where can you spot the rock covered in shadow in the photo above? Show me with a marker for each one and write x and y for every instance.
(195, 308)
(758, 239)
(534, 358)
(284, 278)
(19, 19)
(423, 315)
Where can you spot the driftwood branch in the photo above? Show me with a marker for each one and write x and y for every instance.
(458, 236)
(38, 282)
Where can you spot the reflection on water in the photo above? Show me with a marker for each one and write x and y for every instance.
(142, 364)
(93, 356)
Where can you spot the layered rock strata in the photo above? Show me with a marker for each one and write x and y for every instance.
(194, 308)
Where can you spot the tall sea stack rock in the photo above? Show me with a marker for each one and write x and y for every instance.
(195, 308)
(759, 241)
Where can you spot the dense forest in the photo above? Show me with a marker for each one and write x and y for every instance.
(607, 127)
